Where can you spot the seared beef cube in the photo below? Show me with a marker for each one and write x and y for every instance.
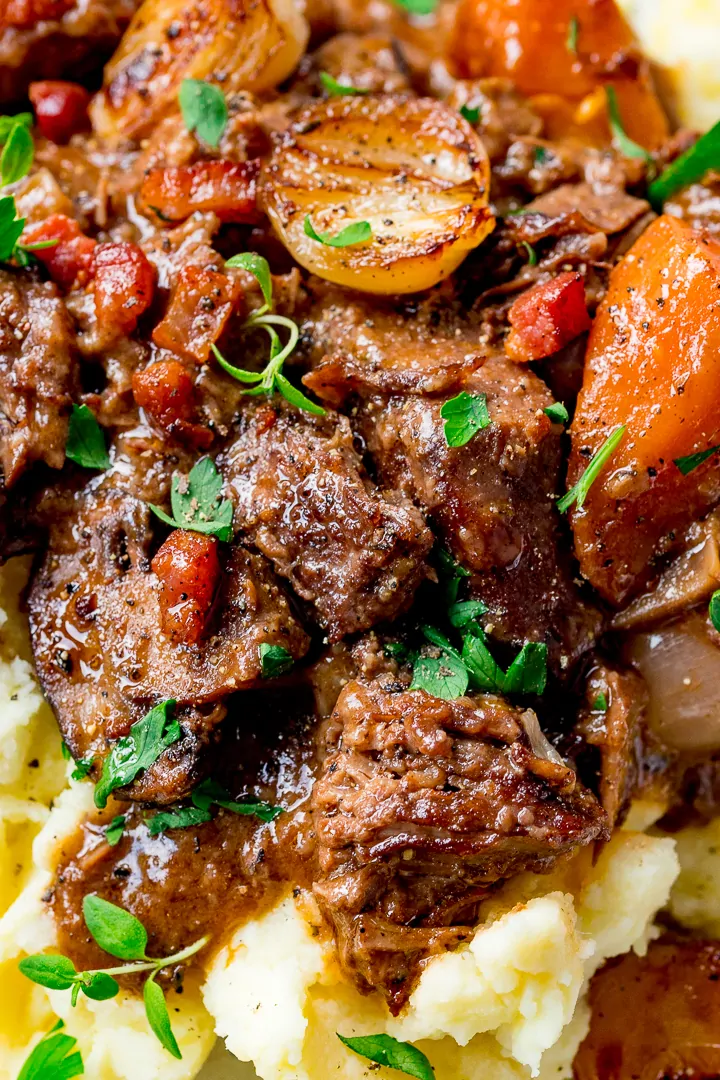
(422, 806)
(99, 642)
(491, 501)
(304, 500)
(38, 374)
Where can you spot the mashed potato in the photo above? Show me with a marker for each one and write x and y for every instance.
(508, 1005)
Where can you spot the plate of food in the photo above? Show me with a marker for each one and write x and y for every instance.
(360, 540)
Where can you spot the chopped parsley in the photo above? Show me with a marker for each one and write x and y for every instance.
(532, 259)
(274, 660)
(338, 89)
(85, 440)
(572, 35)
(357, 233)
(182, 818)
(714, 610)
(464, 614)
(418, 7)
(138, 750)
(114, 830)
(600, 704)
(82, 769)
(445, 676)
(689, 167)
(197, 503)
(388, 1051)
(122, 935)
(579, 492)
(688, 464)
(464, 416)
(470, 113)
(204, 110)
(557, 413)
(624, 143)
(451, 573)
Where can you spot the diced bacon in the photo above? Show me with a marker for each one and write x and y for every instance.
(124, 285)
(166, 391)
(224, 188)
(188, 568)
(22, 14)
(61, 109)
(547, 317)
(201, 305)
(70, 261)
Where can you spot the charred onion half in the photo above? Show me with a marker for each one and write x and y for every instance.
(411, 168)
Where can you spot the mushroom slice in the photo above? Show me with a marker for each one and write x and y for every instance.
(412, 168)
(244, 45)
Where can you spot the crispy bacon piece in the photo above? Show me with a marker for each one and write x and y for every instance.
(22, 14)
(547, 317)
(225, 188)
(166, 391)
(188, 567)
(61, 109)
(124, 285)
(70, 261)
(201, 305)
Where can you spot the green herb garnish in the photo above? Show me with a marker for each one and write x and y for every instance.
(465, 614)
(418, 7)
(11, 227)
(114, 830)
(83, 767)
(210, 793)
(572, 35)
(123, 936)
(532, 259)
(197, 503)
(557, 413)
(625, 143)
(392, 1053)
(337, 89)
(183, 818)
(271, 378)
(54, 1057)
(470, 113)
(579, 492)
(689, 167)
(526, 675)
(451, 573)
(138, 750)
(464, 416)
(600, 704)
(85, 441)
(445, 676)
(356, 233)
(714, 610)
(274, 660)
(204, 110)
(688, 464)
(18, 153)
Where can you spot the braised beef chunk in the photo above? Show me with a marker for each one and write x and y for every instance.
(38, 374)
(491, 502)
(303, 499)
(421, 807)
(102, 646)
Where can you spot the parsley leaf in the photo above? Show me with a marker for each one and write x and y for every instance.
(336, 89)
(259, 268)
(11, 228)
(386, 1050)
(54, 1058)
(600, 704)
(687, 464)
(714, 609)
(579, 492)
(451, 574)
(418, 7)
(357, 233)
(85, 441)
(17, 155)
(528, 672)
(204, 110)
(196, 502)
(557, 413)
(82, 768)
(183, 818)
(690, 166)
(275, 660)
(114, 830)
(464, 416)
(158, 1016)
(470, 113)
(115, 930)
(572, 35)
(445, 676)
(464, 614)
(624, 142)
(210, 793)
(138, 750)
(485, 672)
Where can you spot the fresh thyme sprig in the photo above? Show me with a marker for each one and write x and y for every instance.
(122, 935)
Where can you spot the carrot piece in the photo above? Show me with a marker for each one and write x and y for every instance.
(547, 317)
(188, 568)
(653, 364)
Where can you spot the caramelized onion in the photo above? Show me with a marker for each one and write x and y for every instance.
(410, 167)
(681, 666)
